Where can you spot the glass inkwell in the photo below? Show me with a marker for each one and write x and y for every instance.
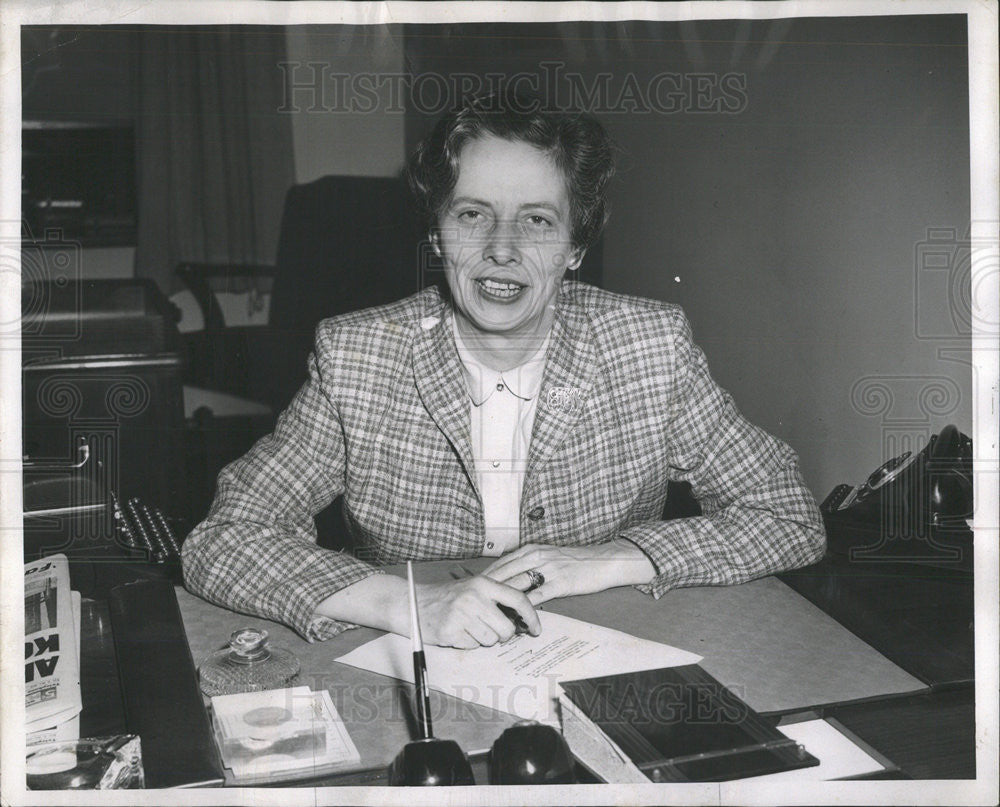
(247, 664)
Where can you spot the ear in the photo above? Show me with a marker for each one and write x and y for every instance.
(575, 259)
(435, 240)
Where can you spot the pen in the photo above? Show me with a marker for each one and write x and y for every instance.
(520, 626)
(426, 760)
(422, 690)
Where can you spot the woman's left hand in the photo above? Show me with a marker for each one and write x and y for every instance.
(570, 570)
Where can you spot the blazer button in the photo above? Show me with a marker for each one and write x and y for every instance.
(536, 513)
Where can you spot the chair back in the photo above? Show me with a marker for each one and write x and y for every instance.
(346, 243)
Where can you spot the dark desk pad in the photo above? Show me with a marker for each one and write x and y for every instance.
(918, 616)
(159, 688)
(928, 735)
(775, 649)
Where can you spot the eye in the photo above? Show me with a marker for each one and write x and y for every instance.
(535, 220)
(470, 217)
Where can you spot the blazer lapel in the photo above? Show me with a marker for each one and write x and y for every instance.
(441, 385)
(566, 384)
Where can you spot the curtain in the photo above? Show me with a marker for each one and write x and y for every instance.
(214, 153)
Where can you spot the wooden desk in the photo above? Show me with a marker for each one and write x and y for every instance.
(929, 735)
(760, 639)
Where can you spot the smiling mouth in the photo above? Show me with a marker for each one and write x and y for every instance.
(499, 289)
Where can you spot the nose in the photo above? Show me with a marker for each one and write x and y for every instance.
(501, 244)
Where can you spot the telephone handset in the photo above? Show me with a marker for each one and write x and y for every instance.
(913, 508)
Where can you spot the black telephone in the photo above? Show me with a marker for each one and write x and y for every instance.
(912, 509)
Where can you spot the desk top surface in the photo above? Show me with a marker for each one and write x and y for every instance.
(768, 644)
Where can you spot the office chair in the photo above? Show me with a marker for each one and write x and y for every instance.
(345, 243)
(221, 356)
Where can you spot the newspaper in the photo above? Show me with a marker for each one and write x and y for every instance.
(67, 730)
(51, 646)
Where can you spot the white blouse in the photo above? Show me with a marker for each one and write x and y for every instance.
(502, 412)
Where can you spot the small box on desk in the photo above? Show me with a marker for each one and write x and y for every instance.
(677, 724)
(281, 735)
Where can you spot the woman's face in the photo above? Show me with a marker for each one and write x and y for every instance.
(505, 237)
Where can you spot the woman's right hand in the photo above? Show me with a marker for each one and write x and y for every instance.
(464, 613)
(458, 613)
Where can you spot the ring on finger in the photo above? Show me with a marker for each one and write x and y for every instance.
(535, 579)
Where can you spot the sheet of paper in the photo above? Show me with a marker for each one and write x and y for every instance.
(838, 755)
(519, 677)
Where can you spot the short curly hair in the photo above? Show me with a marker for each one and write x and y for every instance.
(577, 143)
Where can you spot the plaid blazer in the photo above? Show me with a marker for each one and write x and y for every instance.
(627, 404)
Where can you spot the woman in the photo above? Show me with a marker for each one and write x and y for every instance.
(530, 418)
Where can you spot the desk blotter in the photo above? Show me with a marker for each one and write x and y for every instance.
(771, 646)
(768, 644)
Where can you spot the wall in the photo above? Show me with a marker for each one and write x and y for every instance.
(328, 139)
(790, 232)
